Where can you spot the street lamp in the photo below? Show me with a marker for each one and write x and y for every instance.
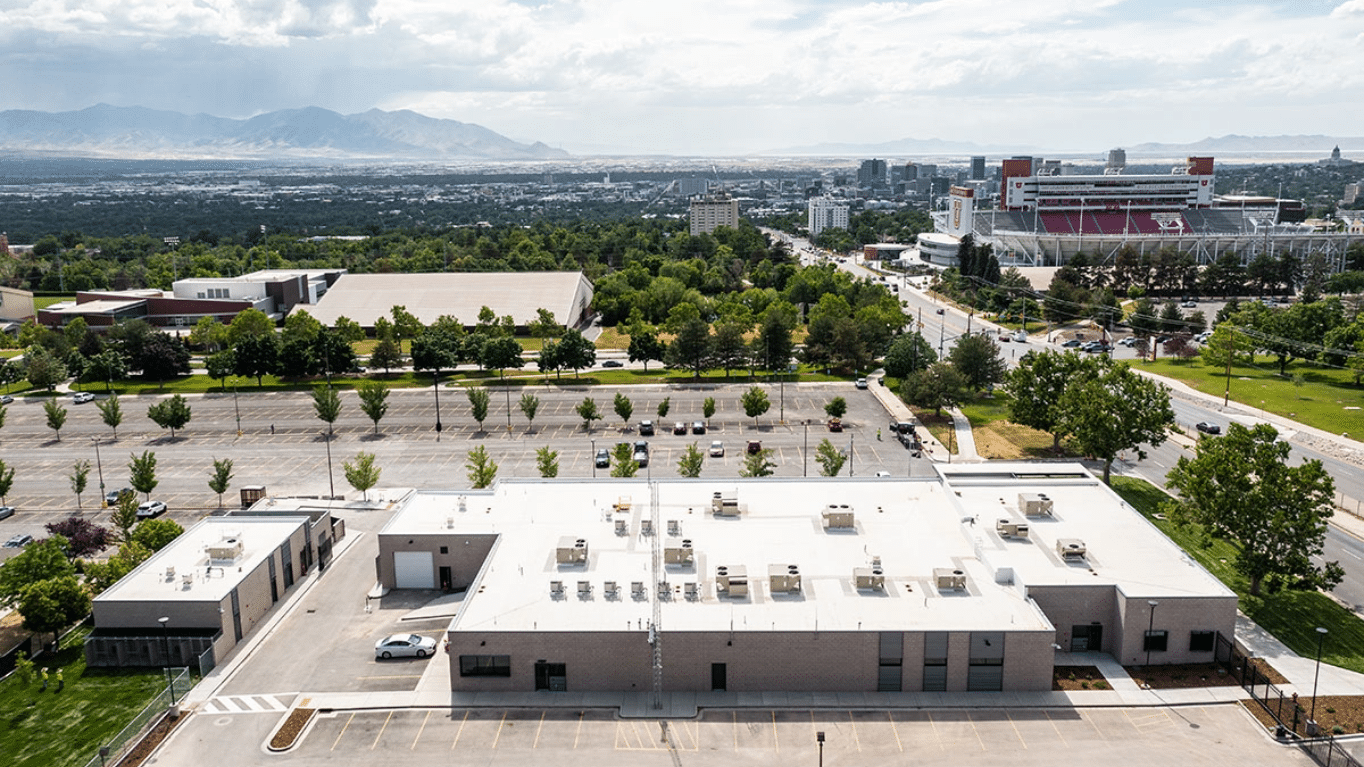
(594, 457)
(165, 633)
(331, 479)
(819, 737)
(99, 464)
(235, 407)
(805, 452)
(1321, 637)
(1150, 626)
(435, 377)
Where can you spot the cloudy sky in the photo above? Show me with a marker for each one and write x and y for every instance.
(716, 76)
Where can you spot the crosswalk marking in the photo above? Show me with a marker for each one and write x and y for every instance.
(247, 704)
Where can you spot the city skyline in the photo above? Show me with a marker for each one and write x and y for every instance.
(606, 76)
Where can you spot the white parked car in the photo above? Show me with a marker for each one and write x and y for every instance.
(404, 646)
(149, 509)
(717, 449)
(83, 397)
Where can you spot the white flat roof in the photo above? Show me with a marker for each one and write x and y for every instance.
(209, 580)
(366, 297)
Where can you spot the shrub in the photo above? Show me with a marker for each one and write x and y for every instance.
(1337, 730)
(1084, 685)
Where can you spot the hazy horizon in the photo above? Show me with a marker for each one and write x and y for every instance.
(704, 78)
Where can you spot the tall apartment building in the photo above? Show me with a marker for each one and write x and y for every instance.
(712, 211)
(872, 172)
(825, 213)
(977, 168)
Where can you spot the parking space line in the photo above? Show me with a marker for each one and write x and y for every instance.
(538, 730)
(579, 732)
(460, 731)
(936, 736)
(735, 715)
(856, 739)
(776, 742)
(1092, 724)
(339, 735)
(1054, 727)
(420, 730)
(500, 725)
(895, 731)
(380, 734)
(1014, 724)
(976, 731)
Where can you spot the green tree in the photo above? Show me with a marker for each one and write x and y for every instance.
(664, 407)
(388, 354)
(836, 408)
(547, 461)
(977, 358)
(1114, 411)
(530, 405)
(250, 323)
(774, 347)
(645, 346)
(56, 416)
(829, 458)
(124, 515)
(171, 413)
(707, 408)
(79, 476)
(624, 408)
(209, 334)
(1240, 487)
(689, 465)
(43, 369)
(362, 474)
(155, 534)
(623, 463)
(937, 387)
(142, 473)
(587, 410)
(755, 403)
(501, 353)
(221, 478)
(690, 349)
(728, 349)
(105, 366)
(53, 604)
(6, 481)
(758, 464)
(221, 365)
(111, 412)
(1037, 385)
(482, 470)
(256, 356)
(909, 353)
(405, 324)
(373, 401)
(574, 351)
(101, 575)
(39, 561)
(478, 404)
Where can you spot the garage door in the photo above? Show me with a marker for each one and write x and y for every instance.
(413, 570)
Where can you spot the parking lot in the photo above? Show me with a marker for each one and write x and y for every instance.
(1203, 735)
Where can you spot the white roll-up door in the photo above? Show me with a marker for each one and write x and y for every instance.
(413, 570)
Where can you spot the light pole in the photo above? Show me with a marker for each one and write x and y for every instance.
(165, 633)
(805, 452)
(508, 390)
(1321, 637)
(850, 454)
(235, 407)
(1150, 626)
(435, 377)
(819, 737)
(331, 479)
(100, 465)
(594, 457)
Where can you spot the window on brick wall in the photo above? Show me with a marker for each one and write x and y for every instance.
(1202, 641)
(485, 665)
(1156, 641)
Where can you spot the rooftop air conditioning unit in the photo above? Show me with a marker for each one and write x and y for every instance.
(869, 578)
(665, 592)
(679, 552)
(674, 528)
(622, 527)
(611, 589)
(725, 504)
(1070, 548)
(571, 551)
(646, 527)
(637, 589)
(783, 579)
(731, 580)
(948, 579)
(1034, 504)
(692, 592)
(1008, 528)
(838, 516)
(227, 549)
(584, 589)
(556, 588)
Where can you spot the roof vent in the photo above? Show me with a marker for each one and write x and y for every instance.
(838, 516)
(731, 580)
(783, 579)
(1070, 548)
(1008, 528)
(725, 504)
(869, 578)
(1034, 504)
(571, 551)
(227, 549)
(679, 552)
(949, 579)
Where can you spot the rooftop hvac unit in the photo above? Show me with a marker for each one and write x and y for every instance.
(571, 551)
(1011, 529)
(227, 549)
(725, 504)
(731, 580)
(948, 579)
(622, 527)
(691, 590)
(610, 589)
(556, 588)
(646, 527)
(869, 578)
(1070, 548)
(838, 516)
(783, 579)
(584, 589)
(637, 589)
(665, 591)
(674, 528)
(1034, 504)
(679, 552)
(449, 523)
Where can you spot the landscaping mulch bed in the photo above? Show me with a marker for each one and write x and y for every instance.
(289, 731)
(1336, 714)
(1186, 675)
(1074, 678)
(144, 748)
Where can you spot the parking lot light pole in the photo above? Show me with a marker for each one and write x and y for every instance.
(436, 380)
(165, 634)
(1150, 626)
(331, 477)
(805, 452)
(235, 407)
(100, 465)
(594, 457)
(1321, 637)
(819, 737)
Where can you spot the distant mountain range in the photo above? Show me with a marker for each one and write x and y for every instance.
(308, 133)
(1230, 144)
(1234, 143)
(898, 147)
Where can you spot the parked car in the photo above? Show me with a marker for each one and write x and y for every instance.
(19, 541)
(613, 364)
(149, 509)
(717, 449)
(603, 458)
(112, 497)
(754, 447)
(1208, 427)
(404, 645)
(6, 399)
(861, 383)
(642, 453)
(83, 397)
(1189, 304)
(646, 428)
(679, 428)
(835, 424)
(698, 427)
(1128, 341)
(6, 512)
(938, 310)
(1071, 344)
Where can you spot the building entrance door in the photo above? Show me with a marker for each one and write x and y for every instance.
(718, 674)
(551, 676)
(1087, 638)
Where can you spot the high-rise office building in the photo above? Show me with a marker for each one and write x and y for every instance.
(827, 213)
(872, 172)
(977, 168)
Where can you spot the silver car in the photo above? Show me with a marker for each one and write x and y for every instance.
(404, 646)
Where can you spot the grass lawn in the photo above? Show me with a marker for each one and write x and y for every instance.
(1291, 616)
(57, 729)
(1324, 400)
(9, 354)
(998, 437)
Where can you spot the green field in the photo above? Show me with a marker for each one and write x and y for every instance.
(1291, 616)
(1327, 399)
(66, 729)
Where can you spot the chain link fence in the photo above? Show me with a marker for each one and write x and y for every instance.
(178, 683)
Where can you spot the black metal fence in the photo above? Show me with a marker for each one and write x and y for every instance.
(1286, 711)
